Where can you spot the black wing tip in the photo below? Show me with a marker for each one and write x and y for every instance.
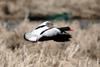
(25, 37)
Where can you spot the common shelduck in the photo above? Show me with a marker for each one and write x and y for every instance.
(46, 32)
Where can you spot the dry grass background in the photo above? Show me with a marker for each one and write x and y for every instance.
(17, 9)
(82, 51)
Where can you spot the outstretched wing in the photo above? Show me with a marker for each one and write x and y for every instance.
(30, 37)
(35, 33)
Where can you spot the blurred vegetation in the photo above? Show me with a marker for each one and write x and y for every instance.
(15, 9)
(82, 51)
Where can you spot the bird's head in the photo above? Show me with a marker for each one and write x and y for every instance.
(65, 29)
(69, 29)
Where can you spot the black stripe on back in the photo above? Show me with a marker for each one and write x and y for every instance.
(40, 26)
(44, 31)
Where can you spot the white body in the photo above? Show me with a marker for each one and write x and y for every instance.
(51, 32)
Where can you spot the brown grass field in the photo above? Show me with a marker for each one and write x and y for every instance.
(82, 51)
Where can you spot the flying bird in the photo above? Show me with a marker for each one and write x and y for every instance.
(46, 31)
